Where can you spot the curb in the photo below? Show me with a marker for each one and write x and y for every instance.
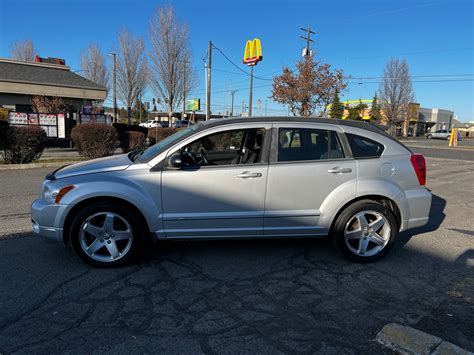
(440, 148)
(407, 340)
(58, 164)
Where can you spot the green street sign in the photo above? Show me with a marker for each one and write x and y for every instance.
(193, 105)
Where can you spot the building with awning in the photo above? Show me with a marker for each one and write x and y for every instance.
(21, 80)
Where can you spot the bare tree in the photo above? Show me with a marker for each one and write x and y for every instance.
(94, 66)
(396, 92)
(46, 104)
(23, 50)
(131, 69)
(171, 72)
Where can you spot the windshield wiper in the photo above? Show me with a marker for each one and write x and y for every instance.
(133, 155)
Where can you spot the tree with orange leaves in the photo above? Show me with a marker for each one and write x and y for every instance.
(311, 87)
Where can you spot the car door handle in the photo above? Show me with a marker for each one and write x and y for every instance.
(338, 170)
(249, 175)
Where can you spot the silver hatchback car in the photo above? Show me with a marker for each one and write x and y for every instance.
(240, 178)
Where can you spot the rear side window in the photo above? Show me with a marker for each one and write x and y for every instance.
(363, 147)
(300, 144)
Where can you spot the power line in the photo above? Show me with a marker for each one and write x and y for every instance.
(235, 65)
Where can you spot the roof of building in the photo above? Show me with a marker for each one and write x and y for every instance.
(16, 71)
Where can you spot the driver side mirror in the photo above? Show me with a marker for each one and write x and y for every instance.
(175, 162)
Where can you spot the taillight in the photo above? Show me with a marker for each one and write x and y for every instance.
(419, 164)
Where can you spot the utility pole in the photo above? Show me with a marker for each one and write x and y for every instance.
(251, 91)
(140, 105)
(185, 68)
(115, 87)
(307, 39)
(208, 86)
(232, 93)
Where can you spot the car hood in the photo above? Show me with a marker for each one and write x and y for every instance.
(113, 163)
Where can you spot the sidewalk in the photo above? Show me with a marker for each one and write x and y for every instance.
(51, 158)
(65, 154)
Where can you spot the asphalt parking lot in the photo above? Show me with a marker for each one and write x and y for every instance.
(272, 296)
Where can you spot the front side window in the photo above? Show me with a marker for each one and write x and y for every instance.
(300, 144)
(363, 147)
(241, 146)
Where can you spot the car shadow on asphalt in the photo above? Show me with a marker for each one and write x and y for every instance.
(437, 216)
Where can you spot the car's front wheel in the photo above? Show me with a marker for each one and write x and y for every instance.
(106, 234)
(365, 231)
(429, 136)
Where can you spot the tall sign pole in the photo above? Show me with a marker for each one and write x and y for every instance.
(251, 91)
(208, 86)
(252, 55)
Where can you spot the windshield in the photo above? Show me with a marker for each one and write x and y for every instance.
(157, 148)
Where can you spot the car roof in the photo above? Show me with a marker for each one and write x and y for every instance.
(372, 127)
(270, 119)
(358, 124)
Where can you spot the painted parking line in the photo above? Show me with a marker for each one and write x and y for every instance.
(407, 340)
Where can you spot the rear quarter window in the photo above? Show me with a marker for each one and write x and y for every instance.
(363, 147)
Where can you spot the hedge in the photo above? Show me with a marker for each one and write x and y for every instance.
(94, 140)
(157, 134)
(123, 127)
(22, 145)
(132, 140)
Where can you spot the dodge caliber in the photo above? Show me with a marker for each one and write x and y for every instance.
(240, 178)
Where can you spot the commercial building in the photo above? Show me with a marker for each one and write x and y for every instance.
(21, 80)
(434, 118)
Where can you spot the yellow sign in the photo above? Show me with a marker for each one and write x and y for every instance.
(253, 52)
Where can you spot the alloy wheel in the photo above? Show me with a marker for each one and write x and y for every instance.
(106, 237)
(367, 233)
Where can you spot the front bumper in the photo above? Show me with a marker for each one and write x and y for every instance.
(48, 220)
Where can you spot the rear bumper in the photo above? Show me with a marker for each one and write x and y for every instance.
(418, 204)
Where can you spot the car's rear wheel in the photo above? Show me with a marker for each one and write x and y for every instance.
(106, 234)
(429, 136)
(365, 231)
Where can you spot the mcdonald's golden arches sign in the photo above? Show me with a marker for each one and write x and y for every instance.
(253, 52)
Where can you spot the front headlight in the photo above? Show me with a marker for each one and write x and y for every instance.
(54, 194)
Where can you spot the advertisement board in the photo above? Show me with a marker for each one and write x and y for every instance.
(47, 121)
(193, 105)
(17, 118)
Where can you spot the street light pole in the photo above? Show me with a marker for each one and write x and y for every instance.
(115, 87)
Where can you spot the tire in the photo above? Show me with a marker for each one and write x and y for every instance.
(106, 234)
(429, 136)
(376, 238)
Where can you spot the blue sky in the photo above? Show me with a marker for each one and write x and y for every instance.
(436, 37)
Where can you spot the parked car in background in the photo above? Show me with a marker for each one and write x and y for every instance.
(441, 134)
(182, 123)
(240, 178)
(151, 124)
